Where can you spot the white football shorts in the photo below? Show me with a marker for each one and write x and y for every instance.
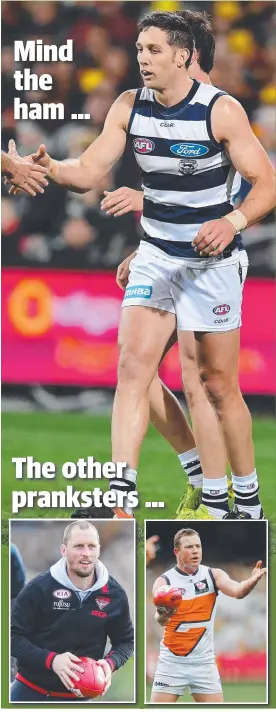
(175, 677)
(204, 296)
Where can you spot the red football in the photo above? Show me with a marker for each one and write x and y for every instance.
(167, 596)
(92, 680)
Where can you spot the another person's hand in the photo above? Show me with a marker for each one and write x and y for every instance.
(213, 237)
(65, 666)
(121, 201)
(123, 271)
(151, 548)
(108, 672)
(40, 158)
(258, 572)
(24, 175)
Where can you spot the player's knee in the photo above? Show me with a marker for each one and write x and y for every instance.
(132, 368)
(220, 387)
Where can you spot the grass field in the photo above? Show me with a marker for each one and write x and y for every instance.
(66, 437)
(233, 693)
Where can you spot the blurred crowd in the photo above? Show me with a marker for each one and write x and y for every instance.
(62, 229)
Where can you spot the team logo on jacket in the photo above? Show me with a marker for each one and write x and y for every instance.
(222, 309)
(62, 593)
(187, 167)
(102, 602)
(191, 150)
(201, 586)
(143, 145)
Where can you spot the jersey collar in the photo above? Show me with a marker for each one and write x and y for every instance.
(183, 573)
(170, 110)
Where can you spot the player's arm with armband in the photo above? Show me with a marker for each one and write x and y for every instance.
(82, 174)
(231, 127)
(234, 589)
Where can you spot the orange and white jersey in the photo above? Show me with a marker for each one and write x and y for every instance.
(190, 631)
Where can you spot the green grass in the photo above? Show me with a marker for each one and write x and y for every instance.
(233, 692)
(63, 437)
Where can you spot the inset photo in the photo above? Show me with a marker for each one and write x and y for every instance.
(206, 612)
(72, 590)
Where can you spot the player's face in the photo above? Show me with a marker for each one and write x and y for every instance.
(189, 552)
(82, 551)
(157, 59)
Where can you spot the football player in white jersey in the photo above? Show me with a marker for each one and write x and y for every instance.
(165, 47)
(187, 657)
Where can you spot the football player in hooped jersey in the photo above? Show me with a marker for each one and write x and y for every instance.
(177, 125)
(187, 657)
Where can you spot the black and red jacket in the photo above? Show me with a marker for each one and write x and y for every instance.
(48, 618)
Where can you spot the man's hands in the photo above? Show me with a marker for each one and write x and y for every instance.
(23, 173)
(123, 271)
(258, 572)
(65, 666)
(121, 201)
(108, 672)
(39, 162)
(213, 237)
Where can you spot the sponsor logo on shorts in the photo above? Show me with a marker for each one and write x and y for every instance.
(222, 309)
(201, 586)
(189, 149)
(62, 593)
(99, 614)
(143, 145)
(158, 683)
(102, 602)
(139, 290)
(221, 321)
(58, 605)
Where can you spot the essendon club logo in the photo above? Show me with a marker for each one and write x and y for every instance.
(143, 145)
(102, 602)
(221, 309)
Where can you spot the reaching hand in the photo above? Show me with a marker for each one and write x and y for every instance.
(123, 271)
(121, 201)
(213, 237)
(40, 158)
(64, 665)
(258, 572)
(108, 672)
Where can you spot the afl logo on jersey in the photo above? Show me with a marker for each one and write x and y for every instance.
(143, 145)
(189, 149)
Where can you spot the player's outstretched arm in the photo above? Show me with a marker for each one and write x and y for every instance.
(162, 613)
(238, 590)
(82, 174)
(230, 126)
(26, 176)
(122, 201)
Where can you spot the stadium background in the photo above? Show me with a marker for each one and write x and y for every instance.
(60, 305)
(240, 626)
(39, 545)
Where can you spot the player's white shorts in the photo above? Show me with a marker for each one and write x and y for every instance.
(205, 297)
(175, 677)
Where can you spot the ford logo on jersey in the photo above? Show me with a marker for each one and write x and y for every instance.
(189, 149)
(143, 145)
(140, 290)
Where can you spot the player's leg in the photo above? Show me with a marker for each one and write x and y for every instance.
(218, 356)
(143, 333)
(205, 683)
(167, 697)
(215, 697)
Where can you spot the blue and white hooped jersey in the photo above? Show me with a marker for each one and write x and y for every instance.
(187, 176)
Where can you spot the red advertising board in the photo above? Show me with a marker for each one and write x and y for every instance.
(60, 327)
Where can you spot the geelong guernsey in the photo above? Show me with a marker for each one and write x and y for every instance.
(189, 634)
(187, 176)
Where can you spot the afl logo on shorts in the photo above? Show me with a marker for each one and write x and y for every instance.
(62, 593)
(221, 309)
(143, 145)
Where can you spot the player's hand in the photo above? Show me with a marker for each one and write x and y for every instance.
(123, 271)
(151, 548)
(65, 666)
(121, 201)
(40, 158)
(213, 237)
(108, 672)
(258, 572)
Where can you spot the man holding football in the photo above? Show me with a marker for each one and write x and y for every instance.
(187, 657)
(65, 614)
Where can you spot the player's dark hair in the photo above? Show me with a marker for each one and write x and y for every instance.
(179, 32)
(181, 533)
(80, 524)
(205, 43)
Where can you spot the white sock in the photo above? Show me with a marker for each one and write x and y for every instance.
(246, 494)
(191, 464)
(127, 483)
(215, 496)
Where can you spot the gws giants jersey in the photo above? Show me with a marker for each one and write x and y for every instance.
(189, 632)
(187, 176)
